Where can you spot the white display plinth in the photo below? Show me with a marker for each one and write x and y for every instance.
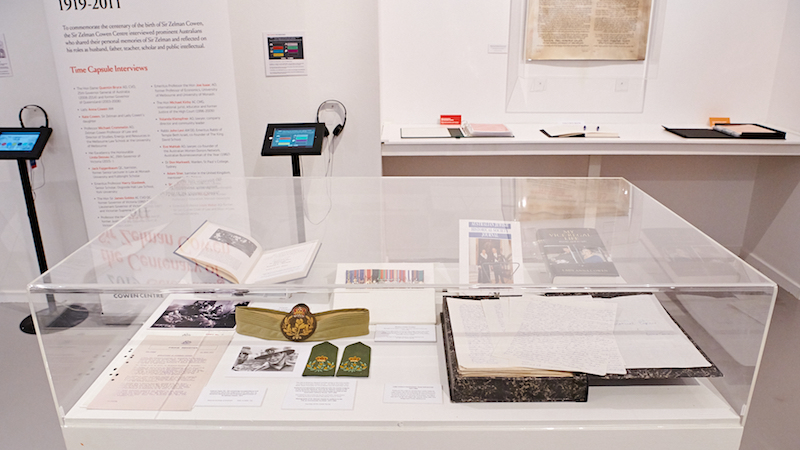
(124, 276)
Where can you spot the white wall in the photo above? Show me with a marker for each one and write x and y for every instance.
(342, 57)
(772, 242)
(733, 58)
(784, 108)
(712, 193)
(57, 201)
(434, 59)
(341, 50)
(711, 58)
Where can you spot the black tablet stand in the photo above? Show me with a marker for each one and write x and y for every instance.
(55, 317)
(312, 148)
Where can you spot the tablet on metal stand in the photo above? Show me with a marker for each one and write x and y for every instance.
(25, 144)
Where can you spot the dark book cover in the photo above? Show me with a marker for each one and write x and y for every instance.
(548, 389)
(699, 133)
(729, 131)
(575, 253)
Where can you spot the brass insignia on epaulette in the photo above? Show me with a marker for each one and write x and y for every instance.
(299, 324)
(353, 364)
(322, 360)
(320, 364)
(355, 361)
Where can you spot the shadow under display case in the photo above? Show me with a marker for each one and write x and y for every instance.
(157, 362)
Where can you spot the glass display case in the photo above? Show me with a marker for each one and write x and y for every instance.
(102, 305)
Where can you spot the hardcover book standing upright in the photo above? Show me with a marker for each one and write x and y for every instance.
(490, 252)
(576, 255)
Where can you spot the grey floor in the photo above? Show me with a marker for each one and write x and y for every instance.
(27, 412)
(28, 418)
(772, 423)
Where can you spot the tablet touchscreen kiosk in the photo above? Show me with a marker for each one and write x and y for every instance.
(293, 139)
(23, 143)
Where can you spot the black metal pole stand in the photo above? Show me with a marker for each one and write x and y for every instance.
(55, 317)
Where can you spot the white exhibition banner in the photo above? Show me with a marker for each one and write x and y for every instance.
(5, 61)
(149, 97)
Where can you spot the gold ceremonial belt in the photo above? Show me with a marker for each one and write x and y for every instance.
(300, 324)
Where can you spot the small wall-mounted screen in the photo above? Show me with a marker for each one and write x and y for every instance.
(23, 143)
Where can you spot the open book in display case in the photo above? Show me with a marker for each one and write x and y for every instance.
(395, 246)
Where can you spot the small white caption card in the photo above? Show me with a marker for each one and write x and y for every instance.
(320, 395)
(226, 395)
(417, 393)
(405, 333)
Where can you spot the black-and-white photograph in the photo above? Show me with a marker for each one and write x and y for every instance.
(199, 314)
(234, 240)
(266, 359)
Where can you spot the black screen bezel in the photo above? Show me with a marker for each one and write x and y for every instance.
(38, 147)
(315, 149)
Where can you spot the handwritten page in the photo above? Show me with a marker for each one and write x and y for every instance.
(497, 315)
(565, 335)
(648, 337)
(475, 339)
(591, 29)
(570, 333)
(472, 335)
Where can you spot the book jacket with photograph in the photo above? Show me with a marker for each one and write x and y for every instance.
(490, 252)
(576, 255)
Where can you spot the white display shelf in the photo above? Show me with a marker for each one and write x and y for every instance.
(638, 139)
(689, 401)
(676, 412)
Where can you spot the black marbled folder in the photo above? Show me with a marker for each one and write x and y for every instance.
(507, 389)
(545, 389)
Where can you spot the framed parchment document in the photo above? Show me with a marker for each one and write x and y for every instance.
(587, 29)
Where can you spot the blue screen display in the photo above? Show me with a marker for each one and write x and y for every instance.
(18, 142)
(293, 138)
